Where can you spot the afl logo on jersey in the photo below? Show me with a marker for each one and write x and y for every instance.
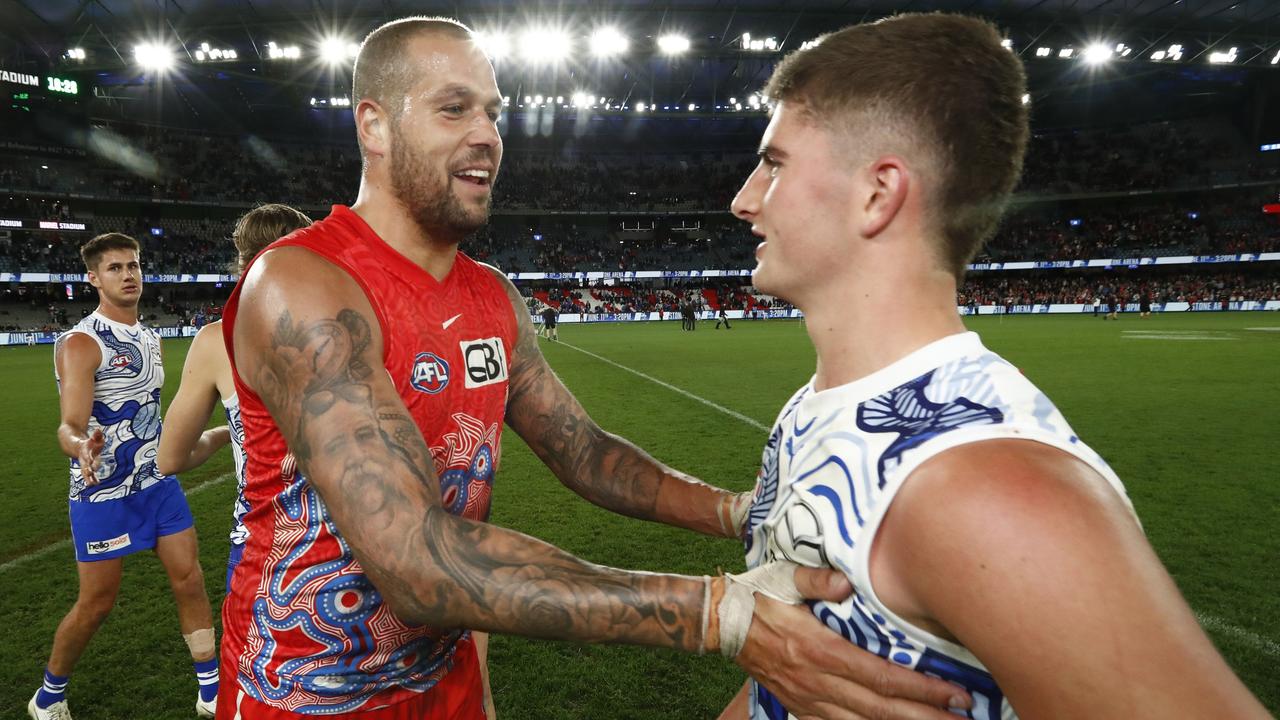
(430, 373)
(120, 361)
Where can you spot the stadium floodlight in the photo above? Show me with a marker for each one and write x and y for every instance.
(212, 54)
(1044, 52)
(754, 102)
(673, 44)
(495, 43)
(808, 44)
(335, 50)
(153, 56)
(1066, 53)
(287, 52)
(1123, 50)
(1026, 98)
(608, 41)
(1223, 58)
(1276, 59)
(1097, 54)
(1007, 44)
(544, 45)
(692, 107)
(75, 53)
(641, 107)
(1173, 54)
(759, 44)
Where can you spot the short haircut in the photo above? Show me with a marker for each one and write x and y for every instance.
(262, 226)
(382, 72)
(91, 252)
(943, 83)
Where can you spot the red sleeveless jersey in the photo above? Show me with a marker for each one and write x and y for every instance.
(306, 630)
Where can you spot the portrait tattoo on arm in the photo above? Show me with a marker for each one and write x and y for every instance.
(365, 455)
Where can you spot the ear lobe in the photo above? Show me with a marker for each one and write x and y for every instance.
(890, 184)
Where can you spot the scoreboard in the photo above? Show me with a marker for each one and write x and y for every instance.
(25, 91)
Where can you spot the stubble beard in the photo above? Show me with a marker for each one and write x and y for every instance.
(427, 194)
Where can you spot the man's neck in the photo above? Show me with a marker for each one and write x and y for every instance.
(868, 327)
(117, 313)
(391, 222)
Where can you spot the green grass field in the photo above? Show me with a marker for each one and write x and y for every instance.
(1186, 409)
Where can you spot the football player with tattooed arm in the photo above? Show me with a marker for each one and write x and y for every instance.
(387, 361)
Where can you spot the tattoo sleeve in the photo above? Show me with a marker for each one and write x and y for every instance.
(600, 466)
(322, 382)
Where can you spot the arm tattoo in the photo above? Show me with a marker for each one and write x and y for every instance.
(365, 455)
(600, 466)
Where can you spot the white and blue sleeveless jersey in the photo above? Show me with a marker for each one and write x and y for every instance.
(126, 408)
(239, 533)
(836, 459)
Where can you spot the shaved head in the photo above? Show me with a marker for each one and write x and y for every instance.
(384, 70)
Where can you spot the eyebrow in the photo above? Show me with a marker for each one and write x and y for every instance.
(771, 151)
(462, 92)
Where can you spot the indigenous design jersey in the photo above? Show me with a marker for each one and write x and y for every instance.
(239, 533)
(126, 408)
(835, 460)
(304, 628)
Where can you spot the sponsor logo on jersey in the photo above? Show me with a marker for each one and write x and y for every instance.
(98, 547)
(485, 360)
(121, 360)
(430, 373)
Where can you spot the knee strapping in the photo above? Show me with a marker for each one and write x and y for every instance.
(201, 642)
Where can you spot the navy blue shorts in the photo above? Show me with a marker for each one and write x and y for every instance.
(115, 528)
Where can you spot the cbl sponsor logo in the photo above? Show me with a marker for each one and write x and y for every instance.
(430, 373)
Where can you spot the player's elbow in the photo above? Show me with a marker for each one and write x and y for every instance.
(167, 466)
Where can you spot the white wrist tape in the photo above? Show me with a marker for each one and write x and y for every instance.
(776, 580)
(738, 512)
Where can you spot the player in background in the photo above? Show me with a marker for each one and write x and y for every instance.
(206, 376)
(109, 377)
(549, 318)
(388, 362)
(988, 545)
(722, 316)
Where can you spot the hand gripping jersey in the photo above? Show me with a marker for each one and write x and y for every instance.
(835, 460)
(126, 408)
(306, 630)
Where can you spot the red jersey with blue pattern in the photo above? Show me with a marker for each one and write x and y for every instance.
(306, 630)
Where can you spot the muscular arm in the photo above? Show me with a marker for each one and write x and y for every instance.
(77, 358)
(184, 443)
(600, 466)
(1026, 556)
(308, 343)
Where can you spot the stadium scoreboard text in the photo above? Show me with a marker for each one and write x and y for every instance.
(51, 83)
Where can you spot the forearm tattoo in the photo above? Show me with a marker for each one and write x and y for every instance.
(600, 466)
(364, 454)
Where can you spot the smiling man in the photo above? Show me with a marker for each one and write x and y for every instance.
(988, 544)
(387, 361)
(109, 380)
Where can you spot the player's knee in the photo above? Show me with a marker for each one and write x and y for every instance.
(188, 582)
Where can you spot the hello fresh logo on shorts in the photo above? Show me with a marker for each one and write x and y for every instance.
(98, 547)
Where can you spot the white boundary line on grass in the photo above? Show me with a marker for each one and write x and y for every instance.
(59, 544)
(1262, 644)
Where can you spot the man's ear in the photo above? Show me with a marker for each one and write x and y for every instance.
(881, 191)
(373, 128)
